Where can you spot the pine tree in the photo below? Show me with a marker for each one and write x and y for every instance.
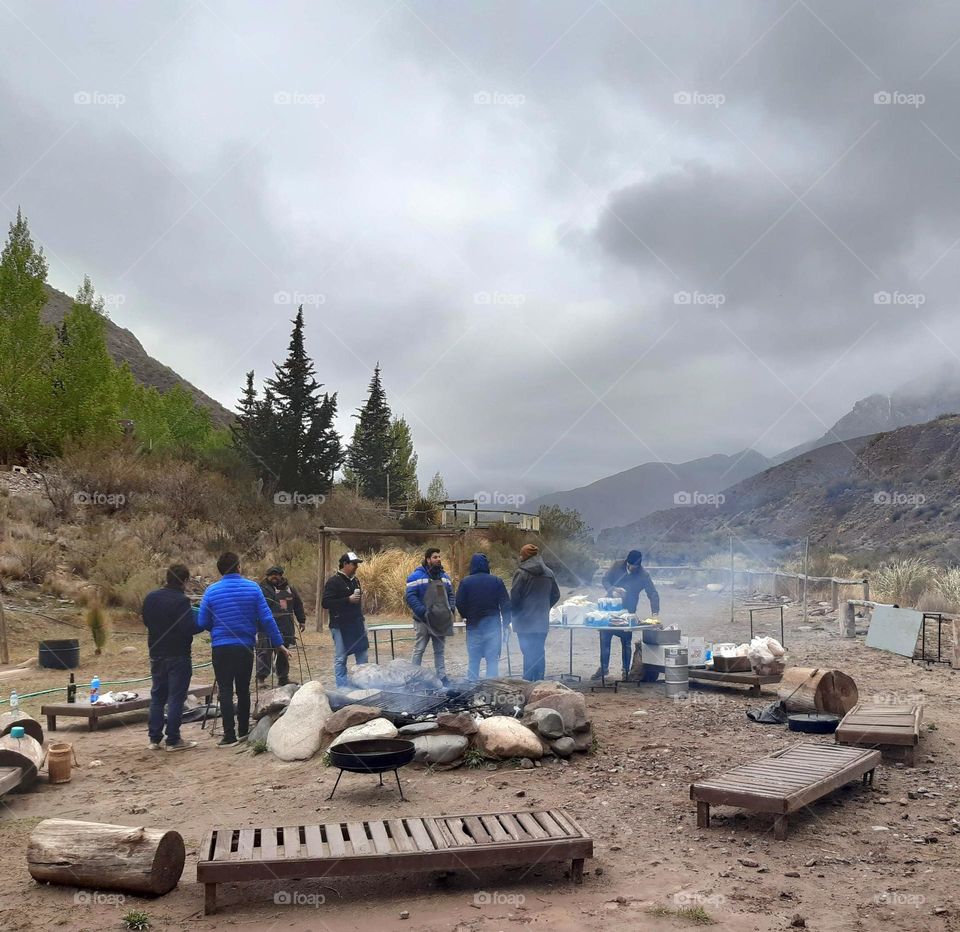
(85, 386)
(436, 491)
(306, 450)
(402, 465)
(27, 419)
(369, 454)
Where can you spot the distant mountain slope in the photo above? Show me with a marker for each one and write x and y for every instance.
(915, 402)
(892, 492)
(629, 495)
(123, 346)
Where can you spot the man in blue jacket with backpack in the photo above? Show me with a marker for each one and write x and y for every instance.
(430, 597)
(233, 609)
(484, 604)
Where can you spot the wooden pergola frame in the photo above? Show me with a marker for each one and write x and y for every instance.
(325, 560)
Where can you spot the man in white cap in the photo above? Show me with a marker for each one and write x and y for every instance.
(341, 598)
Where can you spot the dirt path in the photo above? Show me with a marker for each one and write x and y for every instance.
(836, 871)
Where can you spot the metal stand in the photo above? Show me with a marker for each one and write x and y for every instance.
(923, 658)
(769, 608)
(395, 773)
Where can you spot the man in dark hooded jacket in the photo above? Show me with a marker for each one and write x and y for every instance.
(484, 605)
(533, 594)
(286, 606)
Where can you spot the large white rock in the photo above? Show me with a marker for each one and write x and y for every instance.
(296, 734)
(377, 728)
(501, 737)
(439, 749)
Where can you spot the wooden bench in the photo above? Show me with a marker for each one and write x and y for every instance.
(751, 679)
(10, 778)
(97, 711)
(893, 729)
(384, 847)
(784, 782)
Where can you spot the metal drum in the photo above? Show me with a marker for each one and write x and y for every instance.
(676, 672)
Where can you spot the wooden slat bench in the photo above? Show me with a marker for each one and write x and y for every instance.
(893, 729)
(10, 778)
(784, 782)
(380, 847)
(97, 711)
(751, 679)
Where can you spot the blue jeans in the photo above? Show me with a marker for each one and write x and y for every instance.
(171, 680)
(626, 642)
(534, 649)
(483, 643)
(341, 651)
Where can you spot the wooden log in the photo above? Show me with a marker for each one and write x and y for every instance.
(955, 650)
(848, 621)
(29, 724)
(25, 753)
(805, 689)
(106, 857)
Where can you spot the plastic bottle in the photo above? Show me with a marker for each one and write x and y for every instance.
(14, 700)
(71, 690)
(94, 690)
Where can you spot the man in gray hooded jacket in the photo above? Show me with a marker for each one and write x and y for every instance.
(533, 594)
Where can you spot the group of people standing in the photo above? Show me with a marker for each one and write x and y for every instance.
(482, 601)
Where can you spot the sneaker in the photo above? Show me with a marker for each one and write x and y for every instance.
(182, 745)
(227, 741)
(154, 745)
(599, 675)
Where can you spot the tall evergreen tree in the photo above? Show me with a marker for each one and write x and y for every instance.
(402, 465)
(369, 453)
(26, 347)
(85, 386)
(307, 451)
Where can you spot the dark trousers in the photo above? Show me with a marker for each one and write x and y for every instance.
(233, 666)
(533, 646)
(171, 680)
(265, 654)
(626, 642)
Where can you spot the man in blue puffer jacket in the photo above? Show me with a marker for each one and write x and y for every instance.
(233, 610)
(484, 604)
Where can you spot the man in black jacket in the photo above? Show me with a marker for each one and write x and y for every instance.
(171, 625)
(533, 593)
(286, 606)
(626, 579)
(341, 598)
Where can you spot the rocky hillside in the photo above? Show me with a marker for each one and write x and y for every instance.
(871, 496)
(629, 495)
(125, 347)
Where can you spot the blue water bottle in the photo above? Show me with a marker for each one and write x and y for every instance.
(94, 690)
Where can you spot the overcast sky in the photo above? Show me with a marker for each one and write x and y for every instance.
(577, 235)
